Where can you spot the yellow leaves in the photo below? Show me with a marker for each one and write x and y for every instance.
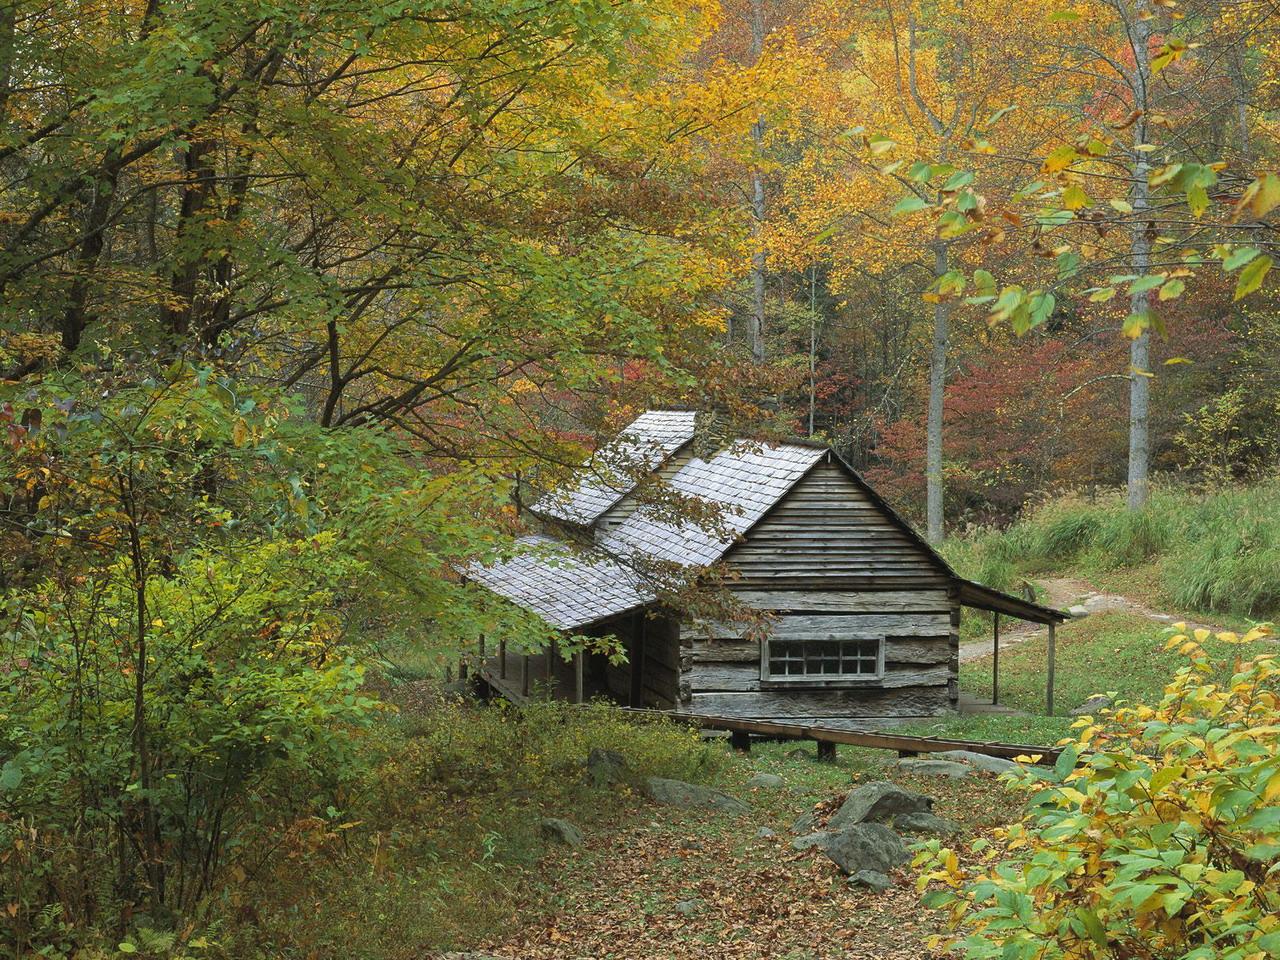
(1172, 52)
(1074, 198)
(1059, 159)
(1260, 197)
(1251, 277)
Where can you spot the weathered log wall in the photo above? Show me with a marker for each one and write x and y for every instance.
(830, 564)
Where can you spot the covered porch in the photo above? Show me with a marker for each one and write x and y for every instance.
(999, 604)
(649, 677)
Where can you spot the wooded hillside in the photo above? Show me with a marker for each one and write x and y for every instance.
(302, 302)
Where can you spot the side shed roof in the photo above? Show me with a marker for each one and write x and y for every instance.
(568, 589)
(615, 469)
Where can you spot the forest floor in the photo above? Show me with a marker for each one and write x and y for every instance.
(686, 884)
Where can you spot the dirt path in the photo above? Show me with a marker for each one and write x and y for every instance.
(1064, 593)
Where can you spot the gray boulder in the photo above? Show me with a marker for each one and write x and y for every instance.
(1093, 705)
(1079, 611)
(686, 908)
(765, 833)
(560, 831)
(605, 767)
(925, 823)
(805, 823)
(677, 793)
(923, 767)
(765, 781)
(981, 761)
(877, 802)
(872, 880)
(864, 846)
(809, 840)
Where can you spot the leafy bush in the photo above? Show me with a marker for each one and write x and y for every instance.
(197, 573)
(1164, 842)
(439, 841)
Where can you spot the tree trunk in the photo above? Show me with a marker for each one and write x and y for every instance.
(1140, 256)
(757, 203)
(937, 391)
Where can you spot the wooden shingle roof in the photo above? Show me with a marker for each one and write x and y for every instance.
(615, 469)
(568, 589)
(745, 480)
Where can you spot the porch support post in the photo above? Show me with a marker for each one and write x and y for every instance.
(995, 660)
(502, 659)
(551, 668)
(577, 678)
(524, 682)
(1048, 693)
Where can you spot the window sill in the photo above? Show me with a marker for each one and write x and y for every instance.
(776, 683)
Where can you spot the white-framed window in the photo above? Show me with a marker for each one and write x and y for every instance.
(810, 660)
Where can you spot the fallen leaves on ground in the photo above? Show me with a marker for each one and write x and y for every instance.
(698, 886)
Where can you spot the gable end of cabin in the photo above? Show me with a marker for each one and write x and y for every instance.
(865, 618)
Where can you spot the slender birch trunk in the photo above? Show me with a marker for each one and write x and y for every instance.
(937, 394)
(1140, 255)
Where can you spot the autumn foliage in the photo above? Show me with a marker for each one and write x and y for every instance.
(1156, 836)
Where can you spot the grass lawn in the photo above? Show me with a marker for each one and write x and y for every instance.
(1115, 653)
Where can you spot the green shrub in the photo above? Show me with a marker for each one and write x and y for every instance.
(437, 848)
(1163, 842)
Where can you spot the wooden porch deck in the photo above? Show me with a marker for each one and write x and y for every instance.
(520, 677)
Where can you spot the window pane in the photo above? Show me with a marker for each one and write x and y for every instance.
(824, 658)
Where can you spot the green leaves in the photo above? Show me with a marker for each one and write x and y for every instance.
(909, 204)
(1251, 277)
(1238, 258)
(1160, 810)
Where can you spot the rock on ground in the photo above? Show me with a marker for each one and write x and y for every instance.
(873, 880)
(925, 823)
(765, 833)
(877, 802)
(809, 840)
(922, 767)
(981, 761)
(677, 793)
(605, 767)
(864, 846)
(561, 831)
(804, 823)
(767, 781)
(1093, 705)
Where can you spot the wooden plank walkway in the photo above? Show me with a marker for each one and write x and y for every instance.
(907, 746)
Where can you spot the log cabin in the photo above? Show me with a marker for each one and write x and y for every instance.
(858, 619)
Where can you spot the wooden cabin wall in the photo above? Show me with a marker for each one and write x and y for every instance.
(826, 533)
(721, 671)
(830, 564)
(652, 644)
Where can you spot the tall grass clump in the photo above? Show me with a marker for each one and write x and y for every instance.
(983, 556)
(1213, 551)
(1229, 556)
